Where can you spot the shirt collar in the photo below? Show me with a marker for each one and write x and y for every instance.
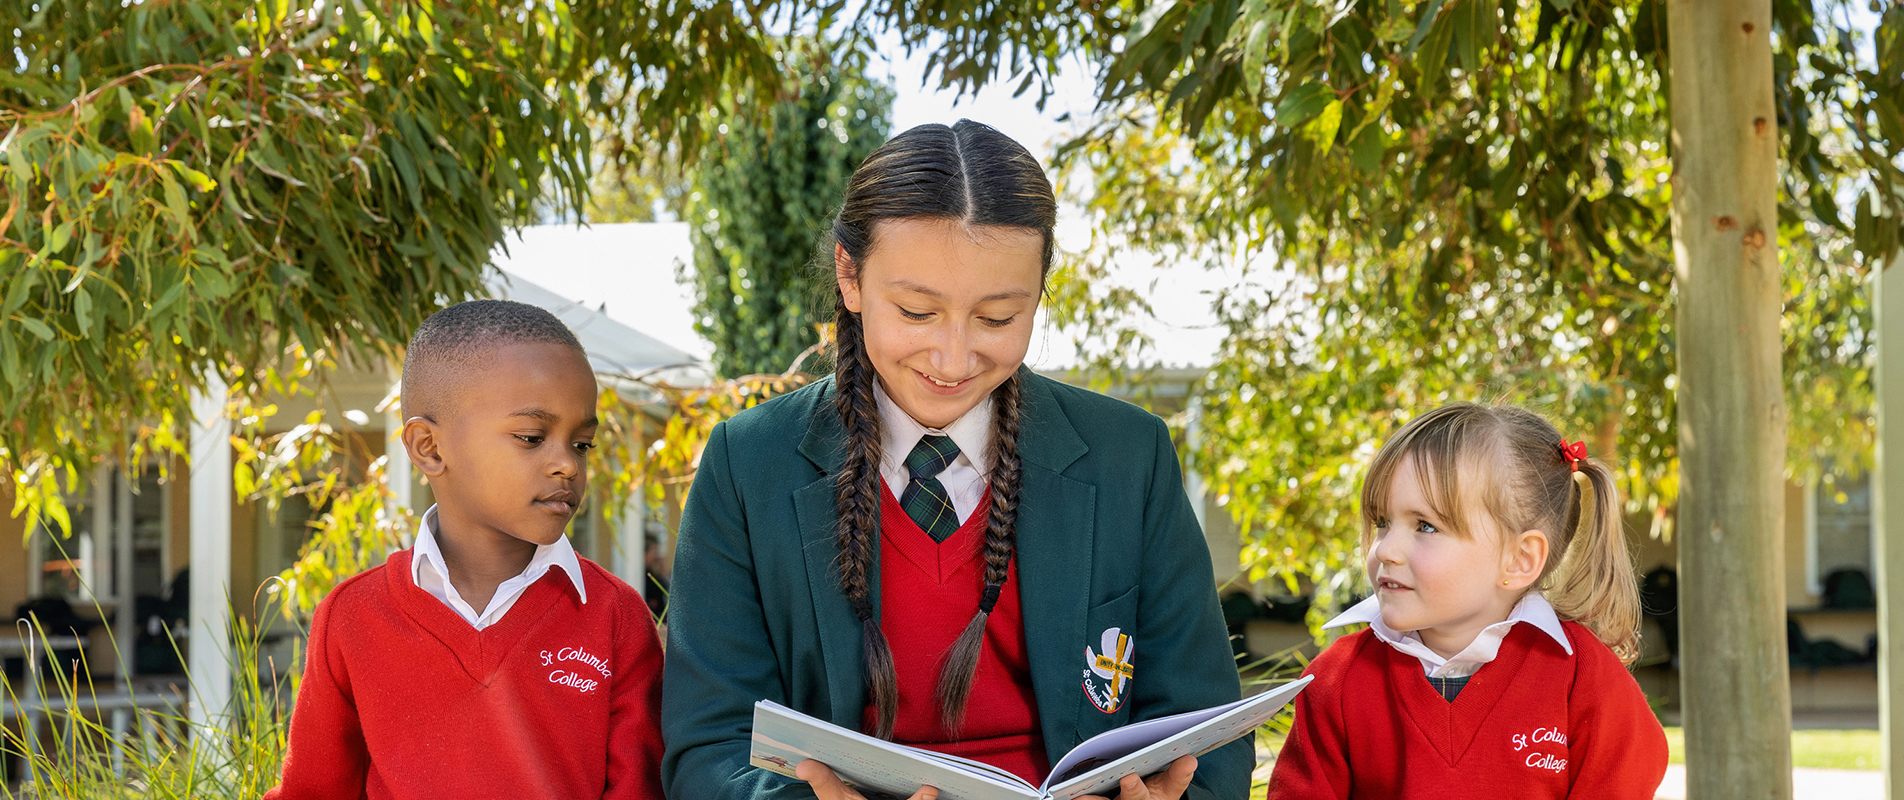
(561, 555)
(1532, 609)
(899, 432)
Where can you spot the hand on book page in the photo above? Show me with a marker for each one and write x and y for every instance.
(828, 786)
(1166, 785)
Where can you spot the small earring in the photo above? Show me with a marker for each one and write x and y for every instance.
(1503, 581)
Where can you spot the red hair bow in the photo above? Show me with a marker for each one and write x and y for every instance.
(1573, 453)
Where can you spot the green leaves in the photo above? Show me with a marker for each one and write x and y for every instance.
(1475, 25)
(1304, 103)
(37, 328)
(1430, 13)
(1430, 47)
(208, 185)
(83, 310)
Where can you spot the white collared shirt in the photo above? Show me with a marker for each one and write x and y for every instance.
(964, 478)
(1532, 609)
(427, 568)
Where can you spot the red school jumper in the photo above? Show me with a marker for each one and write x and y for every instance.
(402, 698)
(928, 593)
(1533, 723)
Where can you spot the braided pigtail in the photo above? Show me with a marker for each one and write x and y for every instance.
(856, 498)
(960, 668)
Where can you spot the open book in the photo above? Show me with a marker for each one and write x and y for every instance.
(783, 738)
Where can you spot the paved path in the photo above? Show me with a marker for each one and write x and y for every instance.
(1807, 784)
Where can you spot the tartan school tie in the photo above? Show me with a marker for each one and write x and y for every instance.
(925, 499)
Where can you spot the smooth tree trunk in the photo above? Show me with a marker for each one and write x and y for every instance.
(1887, 510)
(1734, 687)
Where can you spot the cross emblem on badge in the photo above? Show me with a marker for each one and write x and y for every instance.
(1114, 664)
(1121, 670)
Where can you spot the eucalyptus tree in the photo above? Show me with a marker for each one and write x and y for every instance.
(223, 188)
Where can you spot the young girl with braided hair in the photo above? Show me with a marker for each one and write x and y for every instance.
(935, 545)
(1505, 613)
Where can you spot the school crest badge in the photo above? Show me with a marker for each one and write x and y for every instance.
(1108, 673)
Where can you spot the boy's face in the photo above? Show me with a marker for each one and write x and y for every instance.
(513, 455)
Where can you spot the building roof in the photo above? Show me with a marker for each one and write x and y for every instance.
(616, 286)
(628, 272)
(613, 348)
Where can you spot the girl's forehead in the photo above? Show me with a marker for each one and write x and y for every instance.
(950, 258)
(1453, 490)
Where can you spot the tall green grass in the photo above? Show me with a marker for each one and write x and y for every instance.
(78, 755)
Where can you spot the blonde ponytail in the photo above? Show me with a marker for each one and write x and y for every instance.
(1594, 584)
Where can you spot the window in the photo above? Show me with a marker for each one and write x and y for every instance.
(1838, 528)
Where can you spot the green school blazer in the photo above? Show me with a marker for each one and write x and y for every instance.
(1106, 540)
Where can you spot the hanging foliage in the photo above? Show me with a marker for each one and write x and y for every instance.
(190, 189)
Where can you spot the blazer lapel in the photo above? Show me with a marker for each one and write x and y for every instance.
(1055, 543)
(837, 626)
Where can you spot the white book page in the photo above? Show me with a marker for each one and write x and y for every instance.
(1146, 748)
(782, 738)
(974, 766)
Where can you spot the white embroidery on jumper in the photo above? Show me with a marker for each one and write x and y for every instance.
(575, 679)
(1547, 761)
(566, 678)
(577, 654)
(1538, 736)
(1111, 669)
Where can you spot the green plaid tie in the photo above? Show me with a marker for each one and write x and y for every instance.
(925, 499)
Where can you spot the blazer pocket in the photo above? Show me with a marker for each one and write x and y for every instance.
(1110, 663)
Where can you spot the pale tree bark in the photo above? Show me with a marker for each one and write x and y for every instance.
(1887, 511)
(1736, 695)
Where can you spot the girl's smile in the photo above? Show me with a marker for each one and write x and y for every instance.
(939, 383)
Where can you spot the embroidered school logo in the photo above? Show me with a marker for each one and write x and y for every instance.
(1551, 737)
(575, 678)
(1108, 673)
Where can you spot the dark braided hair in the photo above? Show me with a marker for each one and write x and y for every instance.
(977, 176)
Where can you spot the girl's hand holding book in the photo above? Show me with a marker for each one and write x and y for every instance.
(1166, 785)
(827, 786)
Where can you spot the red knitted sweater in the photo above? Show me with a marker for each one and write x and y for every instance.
(928, 593)
(402, 698)
(1533, 723)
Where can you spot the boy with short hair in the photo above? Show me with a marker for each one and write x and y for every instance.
(488, 660)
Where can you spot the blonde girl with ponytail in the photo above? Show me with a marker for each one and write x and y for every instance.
(935, 545)
(1505, 611)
